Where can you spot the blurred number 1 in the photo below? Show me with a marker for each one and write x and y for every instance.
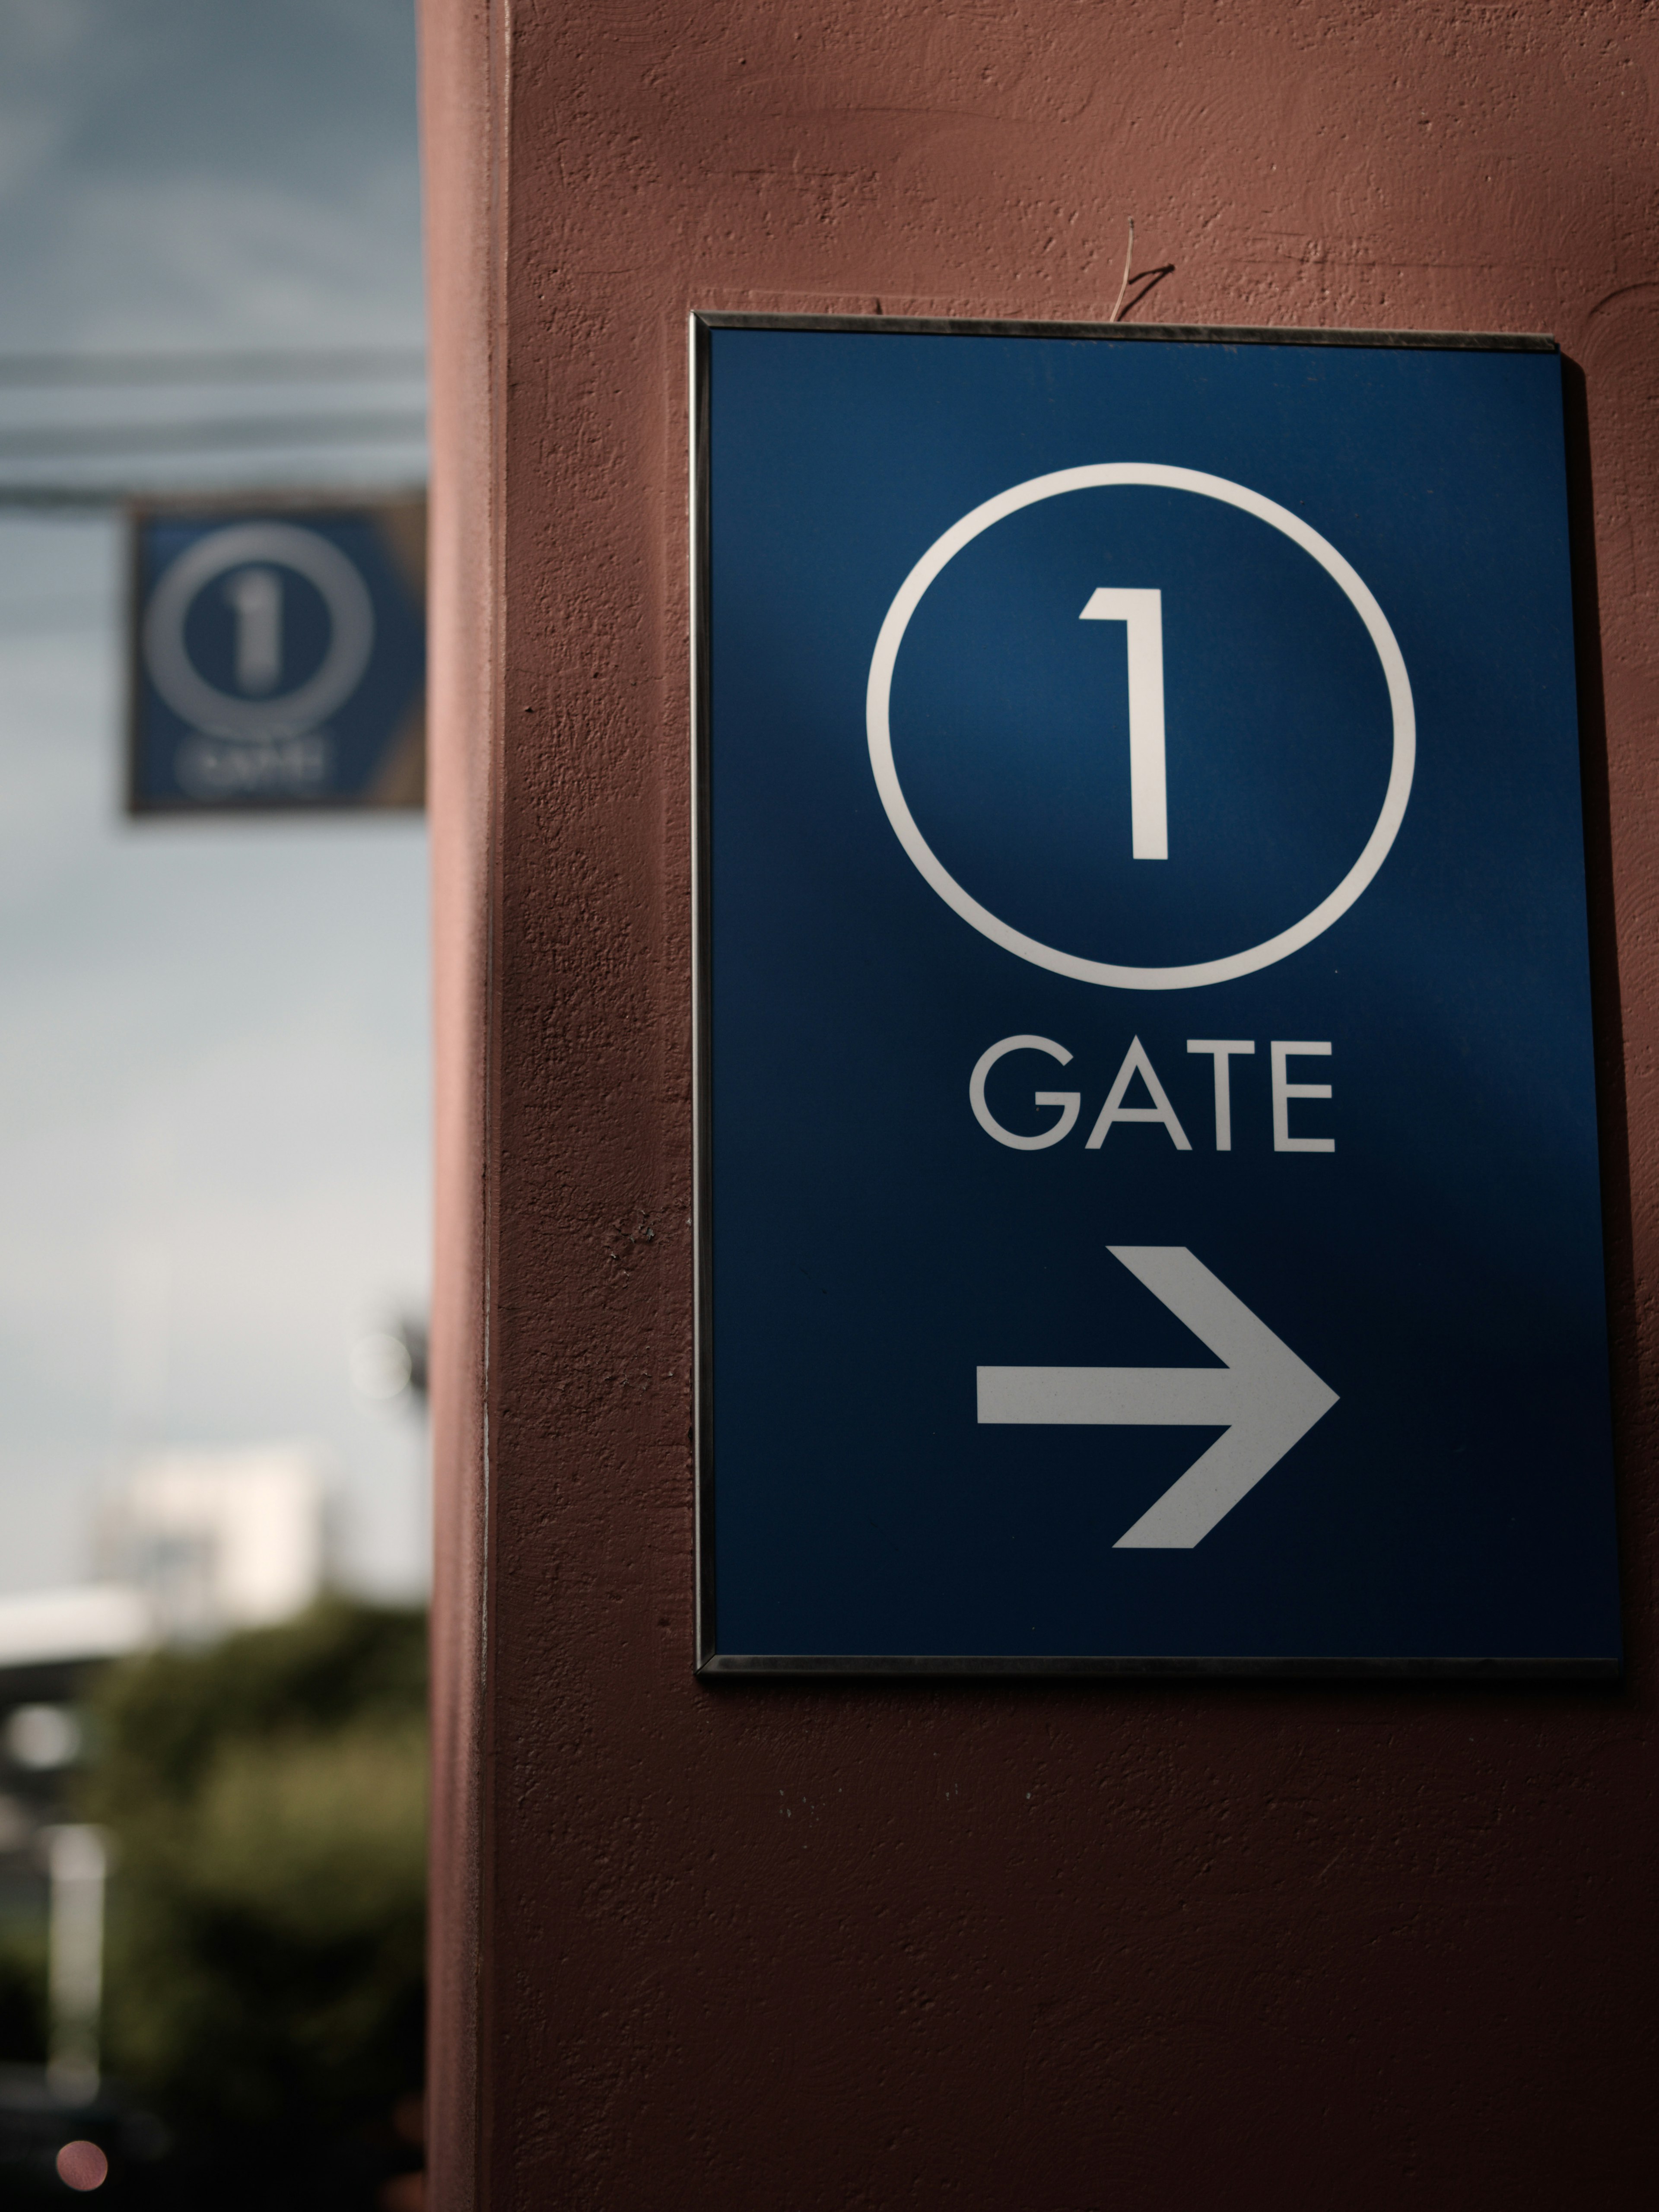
(256, 599)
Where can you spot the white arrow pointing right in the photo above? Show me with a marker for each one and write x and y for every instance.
(1267, 1398)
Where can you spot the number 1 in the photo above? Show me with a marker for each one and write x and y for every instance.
(1142, 614)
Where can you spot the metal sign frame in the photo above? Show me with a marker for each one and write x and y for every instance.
(712, 1663)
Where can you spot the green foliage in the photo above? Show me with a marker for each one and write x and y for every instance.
(266, 1798)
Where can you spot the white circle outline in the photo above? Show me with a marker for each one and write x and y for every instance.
(221, 714)
(1225, 970)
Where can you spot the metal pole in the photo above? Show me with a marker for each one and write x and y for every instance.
(77, 1861)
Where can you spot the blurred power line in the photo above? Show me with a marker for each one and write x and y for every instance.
(96, 497)
(61, 449)
(332, 365)
(68, 441)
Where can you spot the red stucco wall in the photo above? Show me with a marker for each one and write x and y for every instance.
(989, 1947)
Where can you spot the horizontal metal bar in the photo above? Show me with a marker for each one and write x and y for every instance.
(1183, 333)
(731, 1667)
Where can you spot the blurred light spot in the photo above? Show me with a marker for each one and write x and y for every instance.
(83, 2166)
(381, 1365)
(43, 1736)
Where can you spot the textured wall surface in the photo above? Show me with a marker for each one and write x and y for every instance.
(1050, 1947)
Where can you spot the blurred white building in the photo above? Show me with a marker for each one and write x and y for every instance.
(218, 1540)
(191, 1545)
(50, 1628)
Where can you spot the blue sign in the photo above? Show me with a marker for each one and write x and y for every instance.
(278, 658)
(1149, 1207)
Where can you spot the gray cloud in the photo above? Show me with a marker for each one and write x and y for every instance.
(180, 170)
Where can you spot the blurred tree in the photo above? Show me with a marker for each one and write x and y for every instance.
(22, 1995)
(265, 1975)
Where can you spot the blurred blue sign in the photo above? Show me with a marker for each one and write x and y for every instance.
(1151, 1213)
(278, 658)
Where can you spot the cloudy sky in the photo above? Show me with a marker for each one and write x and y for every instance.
(214, 1091)
(180, 170)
